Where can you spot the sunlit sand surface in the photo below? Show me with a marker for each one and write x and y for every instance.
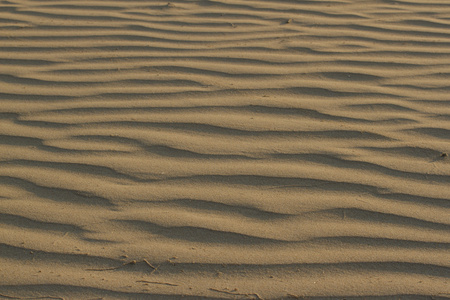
(224, 149)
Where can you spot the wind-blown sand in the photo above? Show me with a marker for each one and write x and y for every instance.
(224, 149)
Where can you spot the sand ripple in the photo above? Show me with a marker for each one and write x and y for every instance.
(224, 149)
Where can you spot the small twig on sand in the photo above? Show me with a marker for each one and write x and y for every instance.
(150, 265)
(133, 262)
(31, 298)
(293, 296)
(237, 294)
(65, 234)
(157, 282)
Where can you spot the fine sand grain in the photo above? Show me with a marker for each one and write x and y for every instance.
(253, 149)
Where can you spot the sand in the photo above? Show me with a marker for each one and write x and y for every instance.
(224, 149)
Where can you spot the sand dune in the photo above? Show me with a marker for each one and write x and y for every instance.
(224, 149)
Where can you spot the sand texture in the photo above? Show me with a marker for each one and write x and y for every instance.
(241, 149)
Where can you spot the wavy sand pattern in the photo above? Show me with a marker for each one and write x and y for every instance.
(224, 149)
